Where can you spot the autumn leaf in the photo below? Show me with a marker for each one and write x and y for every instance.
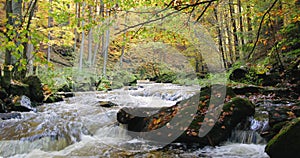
(291, 114)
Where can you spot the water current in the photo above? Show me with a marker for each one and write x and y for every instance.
(79, 127)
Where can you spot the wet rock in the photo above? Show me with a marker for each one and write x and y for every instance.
(270, 79)
(134, 123)
(65, 94)
(279, 117)
(107, 104)
(286, 143)
(36, 89)
(170, 121)
(132, 88)
(22, 104)
(65, 88)
(233, 113)
(238, 74)
(19, 89)
(140, 86)
(247, 90)
(279, 92)
(6, 116)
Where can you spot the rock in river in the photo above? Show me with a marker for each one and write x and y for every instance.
(197, 120)
(286, 143)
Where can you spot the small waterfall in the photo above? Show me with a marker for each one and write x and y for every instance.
(166, 91)
(249, 134)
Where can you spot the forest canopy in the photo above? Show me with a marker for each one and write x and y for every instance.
(50, 34)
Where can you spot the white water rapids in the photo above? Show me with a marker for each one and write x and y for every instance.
(79, 127)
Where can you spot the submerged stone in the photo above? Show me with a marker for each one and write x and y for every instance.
(6, 116)
(107, 104)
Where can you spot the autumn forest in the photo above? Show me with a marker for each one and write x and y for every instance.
(51, 50)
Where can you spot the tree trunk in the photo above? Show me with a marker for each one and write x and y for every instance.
(90, 39)
(249, 25)
(30, 58)
(96, 49)
(82, 40)
(105, 54)
(123, 43)
(50, 19)
(230, 48)
(241, 23)
(75, 29)
(220, 36)
(235, 37)
(14, 17)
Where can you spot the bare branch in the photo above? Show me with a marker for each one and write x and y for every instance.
(31, 14)
(27, 11)
(167, 15)
(260, 26)
(206, 7)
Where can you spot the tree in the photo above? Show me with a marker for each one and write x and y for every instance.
(17, 35)
(106, 45)
(81, 52)
(234, 31)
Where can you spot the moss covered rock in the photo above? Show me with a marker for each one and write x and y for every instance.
(233, 112)
(218, 121)
(19, 89)
(286, 143)
(35, 88)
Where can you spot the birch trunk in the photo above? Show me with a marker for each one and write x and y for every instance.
(105, 54)
(82, 40)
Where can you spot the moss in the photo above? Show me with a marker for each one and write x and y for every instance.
(167, 77)
(206, 91)
(286, 143)
(239, 103)
(116, 85)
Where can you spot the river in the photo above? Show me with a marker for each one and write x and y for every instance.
(79, 127)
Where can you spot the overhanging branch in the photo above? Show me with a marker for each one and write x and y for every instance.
(259, 29)
(169, 14)
(206, 7)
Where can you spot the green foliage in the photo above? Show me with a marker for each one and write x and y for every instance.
(56, 78)
(78, 80)
(121, 77)
(104, 84)
(186, 81)
(252, 77)
(214, 78)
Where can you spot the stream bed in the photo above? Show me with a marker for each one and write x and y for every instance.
(80, 127)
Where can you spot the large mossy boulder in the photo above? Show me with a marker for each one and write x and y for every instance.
(238, 74)
(287, 142)
(35, 88)
(19, 89)
(234, 112)
(184, 123)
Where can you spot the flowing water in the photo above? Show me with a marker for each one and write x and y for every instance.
(79, 127)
